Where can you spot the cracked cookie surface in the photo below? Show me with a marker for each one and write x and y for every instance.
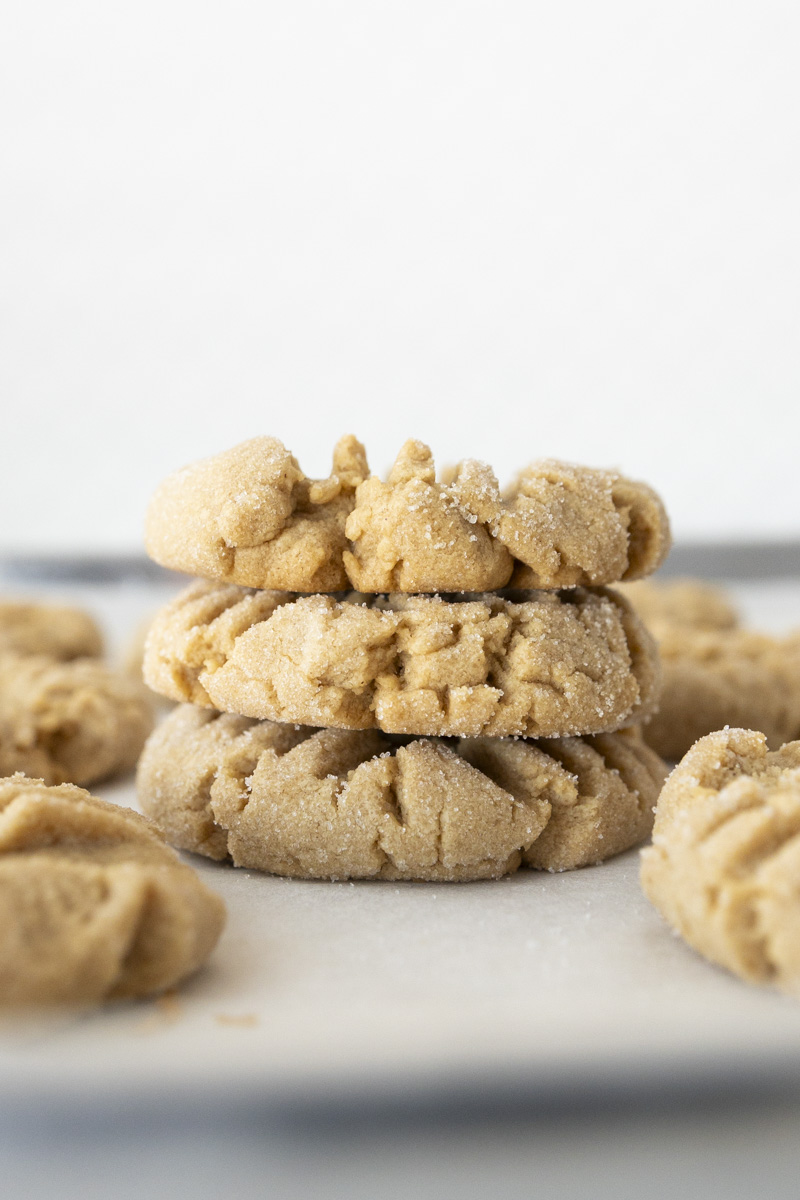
(545, 664)
(95, 905)
(724, 866)
(71, 722)
(337, 804)
(250, 516)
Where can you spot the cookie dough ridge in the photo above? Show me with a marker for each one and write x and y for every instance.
(251, 516)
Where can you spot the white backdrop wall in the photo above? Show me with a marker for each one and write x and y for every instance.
(512, 229)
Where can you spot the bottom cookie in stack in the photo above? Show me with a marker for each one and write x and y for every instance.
(350, 804)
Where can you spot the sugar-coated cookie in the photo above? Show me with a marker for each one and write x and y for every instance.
(713, 678)
(73, 722)
(95, 905)
(724, 867)
(337, 803)
(714, 673)
(545, 664)
(250, 516)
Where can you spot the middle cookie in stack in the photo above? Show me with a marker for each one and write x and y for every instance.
(426, 767)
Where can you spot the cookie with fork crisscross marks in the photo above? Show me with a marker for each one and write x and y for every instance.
(336, 803)
(724, 866)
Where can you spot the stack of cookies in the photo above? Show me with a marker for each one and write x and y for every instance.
(410, 679)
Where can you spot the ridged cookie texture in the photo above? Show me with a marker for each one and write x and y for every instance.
(54, 630)
(338, 804)
(250, 516)
(71, 722)
(714, 678)
(545, 664)
(95, 905)
(725, 861)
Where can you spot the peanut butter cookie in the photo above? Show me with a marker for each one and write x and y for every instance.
(724, 677)
(337, 804)
(570, 525)
(681, 603)
(69, 721)
(249, 516)
(725, 861)
(55, 630)
(546, 664)
(95, 905)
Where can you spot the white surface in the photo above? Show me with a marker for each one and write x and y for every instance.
(511, 229)
(554, 984)
(376, 990)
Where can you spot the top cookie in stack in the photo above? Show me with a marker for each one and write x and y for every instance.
(423, 648)
(251, 517)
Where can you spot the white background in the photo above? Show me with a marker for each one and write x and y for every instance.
(512, 229)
